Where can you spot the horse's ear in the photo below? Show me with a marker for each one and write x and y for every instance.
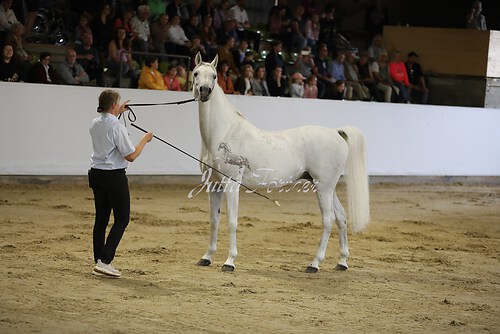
(197, 59)
(214, 62)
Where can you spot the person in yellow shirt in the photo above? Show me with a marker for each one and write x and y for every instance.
(150, 77)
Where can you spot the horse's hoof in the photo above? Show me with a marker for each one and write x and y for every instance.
(204, 262)
(310, 269)
(340, 267)
(227, 267)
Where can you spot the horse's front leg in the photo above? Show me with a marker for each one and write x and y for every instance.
(325, 199)
(232, 201)
(215, 205)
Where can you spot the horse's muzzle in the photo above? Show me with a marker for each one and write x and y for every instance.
(205, 93)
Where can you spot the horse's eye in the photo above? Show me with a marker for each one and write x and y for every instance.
(215, 76)
(195, 74)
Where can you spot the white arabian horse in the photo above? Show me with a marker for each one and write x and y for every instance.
(231, 144)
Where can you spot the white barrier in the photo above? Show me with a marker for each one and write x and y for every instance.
(44, 131)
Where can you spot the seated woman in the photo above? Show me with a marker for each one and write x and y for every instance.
(8, 70)
(171, 80)
(243, 83)
(119, 56)
(259, 83)
(21, 57)
(223, 78)
(150, 77)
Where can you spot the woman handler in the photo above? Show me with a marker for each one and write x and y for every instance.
(112, 151)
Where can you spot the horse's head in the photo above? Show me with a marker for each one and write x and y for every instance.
(204, 78)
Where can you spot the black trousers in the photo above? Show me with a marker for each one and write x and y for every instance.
(110, 193)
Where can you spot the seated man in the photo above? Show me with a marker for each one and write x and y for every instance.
(418, 89)
(70, 71)
(239, 14)
(42, 71)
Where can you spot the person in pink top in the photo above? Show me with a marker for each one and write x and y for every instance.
(399, 76)
(311, 87)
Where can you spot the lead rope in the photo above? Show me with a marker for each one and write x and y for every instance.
(132, 118)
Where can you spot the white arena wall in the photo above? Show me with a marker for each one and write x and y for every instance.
(44, 131)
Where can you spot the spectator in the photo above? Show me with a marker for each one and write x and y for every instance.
(182, 76)
(225, 53)
(243, 26)
(380, 70)
(328, 28)
(298, 40)
(70, 71)
(366, 76)
(276, 83)
(310, 7)
(171, 79)
(207, 8)
(274, 57)
(311, 87)
(221, 14)
(42, 72)
(259, 84)
(474, 19)
(177, 7)
(150, 77)
(376, 48)
(360, 91)
(278, 24)
(223, 78)
(337, 72)
(7, 18)
(376, 18)
(102, 28)
(8, 70)
(21, 58)
(208, 36)
(297, 85)
(119, 56)
(140, 25)
(243, 83)
(340, 90)
(239, 53)
(320, 70)
(125, 22)
(249, 59)
(196, 47)
(304, 63)
(399, 77)
(157, 8)
(228, 30)
(311, 31)
(178, 42)
(159, 33)
(82, 28)
(418, 88)
(89, 58)
(192, 27)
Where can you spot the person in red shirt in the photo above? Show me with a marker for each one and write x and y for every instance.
(171, 79)
(224, 79)
(399, 76)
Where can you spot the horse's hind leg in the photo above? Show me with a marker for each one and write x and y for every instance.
(340, 218)
(215, 204)
(325, 199)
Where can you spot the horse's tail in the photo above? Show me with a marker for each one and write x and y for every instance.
(356, 178)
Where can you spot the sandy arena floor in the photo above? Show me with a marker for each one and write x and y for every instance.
(428, 263)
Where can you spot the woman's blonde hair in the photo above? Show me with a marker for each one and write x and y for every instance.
(107, 98)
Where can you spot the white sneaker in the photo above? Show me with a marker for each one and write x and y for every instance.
(106, 269)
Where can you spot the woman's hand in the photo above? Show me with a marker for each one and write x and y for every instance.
(123, 107)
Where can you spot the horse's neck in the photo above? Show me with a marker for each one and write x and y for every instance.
(217, 117)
